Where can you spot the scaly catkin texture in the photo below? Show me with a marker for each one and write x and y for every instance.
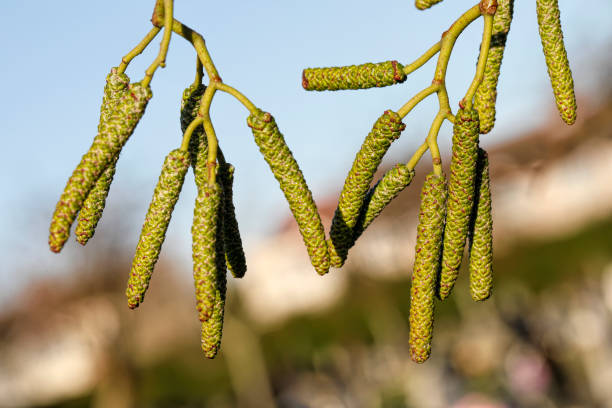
(93, 206)
(387, 128)
(556, 58)
(426, 266)
(379, 196)
(353, 76)
(234, 253)
(481, 234)
(112, 135)
(425, 4)
(460, 196)
(286, 170)
(486, 94)
(190, 104)
(204, 233)
(156, 222)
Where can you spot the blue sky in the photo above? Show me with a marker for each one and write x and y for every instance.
(56, 56)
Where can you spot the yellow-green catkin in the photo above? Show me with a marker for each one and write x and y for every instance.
(190, 104)
(556, 58)
(209, 269)
(93, 206)
(481, 234)
(460, 196)
(112, 135)
(156, 222)
(379, 196)
(234, 253)
(426, 266)
(425, 4)
(286, 170)
(486, 94)
(362, 76)
(387, 128)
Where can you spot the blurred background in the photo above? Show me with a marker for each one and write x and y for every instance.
(292, 338)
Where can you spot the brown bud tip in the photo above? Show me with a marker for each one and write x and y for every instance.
(304, 80)
(488, 7)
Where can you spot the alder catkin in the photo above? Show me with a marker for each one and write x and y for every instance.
(460, 196)
(387, 128)
(486, 94)
(93, 206)
(112, 135)
(481, 234)
(362, 76)
(379, 196)
(156, 222)
(286, 170)
(190, 104)
(426, 266)
(556, 58)
(234, 253)
(425, 4)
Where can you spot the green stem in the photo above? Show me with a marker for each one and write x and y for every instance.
(163, 48)
(238, 95)
(419, 62)
(199, 72)
(125, 61)
(200, 46)
(408, 106)
(211, 136)
(432, 141)
(482, 61)
(189, 131)
(416, 157)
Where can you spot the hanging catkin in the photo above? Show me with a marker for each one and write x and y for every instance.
(481, 234)
(286, 170)
(425, 4)
(353, 76)
(156, 222)
(486, 94)
(234, 253)
(112, 135)
(93, 206)
(387, 128)
(426, 266)
(460, 196)
(556, 58)
(190, 104)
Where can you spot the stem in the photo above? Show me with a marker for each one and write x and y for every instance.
(163, 48)
(189, 131)
(199, 72)
(482, 61)
(432, 141)
(211, 136)
(404, 110)
(416, 157)
(419, 62)
(138, 49)
(200, 46)
(236, 94)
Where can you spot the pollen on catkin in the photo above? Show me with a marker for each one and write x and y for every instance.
(481, 234)
(426, 266)
(286, 170)
(425, 4)
(190, 104)
(205, 233)
(486, 94)
(387, 128)
(362, 76)
(156, 222)
(460, 196)
(379, 196)
(556, 58)
(112, 135)
(234, 253)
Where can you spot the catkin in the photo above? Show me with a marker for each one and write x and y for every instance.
(286, 170)
(556, 58)
(387, 128)
(93, 206)
(460, 196)
(234, 253)
(426, 266)
(486, 94)
(112, 135)
(481, 234)
(379, 196)
(190, 104)
(353, 76)
(156, 222)
(425, 4)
